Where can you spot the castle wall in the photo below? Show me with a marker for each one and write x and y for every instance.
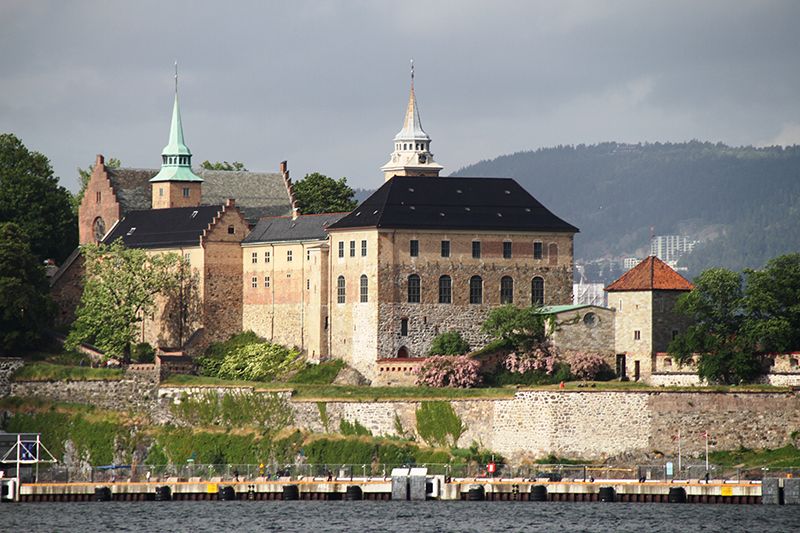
(573, 332)
(633, 313)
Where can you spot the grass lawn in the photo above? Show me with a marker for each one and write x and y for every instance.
(786, 457)
(40, 371)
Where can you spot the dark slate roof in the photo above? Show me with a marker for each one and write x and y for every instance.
(163, 228)
(305, 227)
(257, 194)
(453, 203)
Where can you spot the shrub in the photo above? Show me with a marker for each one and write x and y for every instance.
(502, 377)
(587, 366)
(353, 429)
(143, 353)
(520, 327)
(321, 374)
(259, 362)
(449, 343)
(541, 357)
(438, 424)
(446, 371)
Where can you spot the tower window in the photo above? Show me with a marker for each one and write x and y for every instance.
(364, 288)
(352, 248)
(363, 248)
(414, 248)
(637, 335)
(413, 289)
(97, 196)
(161, 191)
(341, 248)
(537, 291)
(445, 248)
(186, 192)
(506, 290)
(475, 290)
(266, 282)
(476, 249)
(537, 250)
(288, 256)
(266, 257)
(507, 250)
(445, 290)
(231, 230)
(255, 257)
(254, 282)
(340, 290)
(404, 327)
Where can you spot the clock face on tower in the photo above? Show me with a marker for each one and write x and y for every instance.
(99, 229)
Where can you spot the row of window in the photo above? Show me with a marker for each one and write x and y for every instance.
(268, 256)
(411, 146)
(353, 248)
(175, 159)
(363, 289)
(538, 249)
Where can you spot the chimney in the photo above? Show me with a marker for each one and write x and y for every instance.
(284, 167)
(230, 202)
(99, 160)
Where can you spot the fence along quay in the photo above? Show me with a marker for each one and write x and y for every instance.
(383, 482)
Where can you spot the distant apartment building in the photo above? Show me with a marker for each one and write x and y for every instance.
(589, 294)
(630, 262)
(670, 248)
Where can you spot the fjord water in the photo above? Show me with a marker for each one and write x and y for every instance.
(422, 517)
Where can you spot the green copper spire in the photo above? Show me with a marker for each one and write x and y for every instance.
(176, 158)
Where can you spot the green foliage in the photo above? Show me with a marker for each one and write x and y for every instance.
(269, 413)
(323, 416)
(31, 197)
(259, 362)
(502, 377)
(353, 429)
(340, 451)
(786, 457)
(319, 374)
(156, 455)
(40, 371)
(518, 327)
(398, 426)
(25, 305)
(216, 165)
(143, 353)
(449, 343)
(84, 174)
(120, 286)
(317, 193)
(180, 444)
(210, 363)
(438, 424)
(772, 304)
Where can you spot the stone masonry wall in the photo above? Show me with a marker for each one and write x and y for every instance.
(8, 365)
(134, 392)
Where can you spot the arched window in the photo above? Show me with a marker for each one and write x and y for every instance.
(506, 290)
(552, 253)
(364, 288)
(340, 290)
(537, 291)
(445, 290)
(402, 352)
(413, 289)
(475, 290)
(99, 228)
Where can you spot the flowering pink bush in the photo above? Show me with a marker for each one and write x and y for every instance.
(586, 366)
(449, 371)
(542, 357)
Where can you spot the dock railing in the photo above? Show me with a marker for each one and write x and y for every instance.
(373, 471)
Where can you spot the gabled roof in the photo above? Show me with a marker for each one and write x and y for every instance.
(257, 194)
(303, 228)
(453, 203)
(164, 228)
(652, 274)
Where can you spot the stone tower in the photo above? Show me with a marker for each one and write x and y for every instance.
(176, 185)
(411, 155)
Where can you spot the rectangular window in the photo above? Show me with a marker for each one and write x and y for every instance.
(308, 284)
(255, 257)
(161, 191)
(445, 290)
(414, 248)
(506, 250)
(266, 257)
(363, 248)
(97, 197)
(364, 290)
(187, 257)
(404, 327)
(266, 282)
(341, 248)
(186, 192)
(340, 290)
(254, 282)
(288, 256)
(537, 250)
(637, 335)
(352, 248)
(445, 248)
(476, 249)
(231, 230)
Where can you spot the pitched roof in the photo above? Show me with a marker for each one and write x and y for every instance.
(257, 194)
(164, 228)
(453, 203)
(652, 274)
(304, 227)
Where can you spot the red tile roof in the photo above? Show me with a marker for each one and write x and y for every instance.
(652, 274)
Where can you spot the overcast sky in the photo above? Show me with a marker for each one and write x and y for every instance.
(325, 84)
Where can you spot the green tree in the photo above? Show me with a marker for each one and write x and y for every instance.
(717, 335)
(120, 286)
(216, 165)
(449, 343)
(521, 328)
(317, 193)
(772, 304)
(31, 197)
(25, 306)
(83, 177)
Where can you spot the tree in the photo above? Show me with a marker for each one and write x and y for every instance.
(449, 343)
(521, 328)
(726, 354)
(772, 304)
(317, 193)
(84, 174)
(216, 165)
(25, 306)
(120, 287)
(31, 197)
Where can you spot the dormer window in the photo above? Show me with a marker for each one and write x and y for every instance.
(130, 231)
(194, 214)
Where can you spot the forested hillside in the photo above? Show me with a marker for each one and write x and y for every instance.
(742, 202)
